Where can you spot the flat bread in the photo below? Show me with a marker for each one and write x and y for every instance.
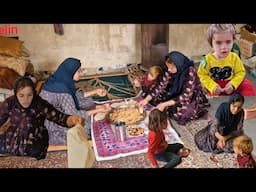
(128, 115)
(114, 105)
(124, 104)
(99, 116)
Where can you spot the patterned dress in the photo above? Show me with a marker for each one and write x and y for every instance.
(190, 104)
(246, 161)
(65, 103)
(207, 141)
(27, 135)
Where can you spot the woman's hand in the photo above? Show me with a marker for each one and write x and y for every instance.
(105, 108)
(142, 103)
(161, 106)
(74, 119)
(221, 143)
(101, 92)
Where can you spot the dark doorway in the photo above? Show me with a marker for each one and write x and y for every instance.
(155, 44)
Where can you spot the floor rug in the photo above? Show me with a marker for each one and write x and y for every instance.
(117, 87)
(196, 159)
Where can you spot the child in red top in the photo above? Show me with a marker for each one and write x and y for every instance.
(158, 148)
(148, 80)
(243, 148)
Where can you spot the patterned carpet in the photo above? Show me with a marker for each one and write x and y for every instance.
(117, 87)
(197, 159)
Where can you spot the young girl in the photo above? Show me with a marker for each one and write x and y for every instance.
(218, 135)
(178, 90)
(60, 91)
(158, 148)
(26, 135)
(222, 72)
(243, 148)
(148, 80)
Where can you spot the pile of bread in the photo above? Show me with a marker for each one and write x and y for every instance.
(129, 115)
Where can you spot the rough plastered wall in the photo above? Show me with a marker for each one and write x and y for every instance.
(96, 45)
(190, 39)
(104, 45)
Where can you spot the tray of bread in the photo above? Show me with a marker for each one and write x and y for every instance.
(129, 115)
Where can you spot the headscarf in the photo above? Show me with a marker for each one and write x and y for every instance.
(226, 119)
(182, 63)
(62, 80)
(23, 82)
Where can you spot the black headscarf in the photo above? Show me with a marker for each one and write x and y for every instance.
(225, 118)
(23, 82)
(182, 63)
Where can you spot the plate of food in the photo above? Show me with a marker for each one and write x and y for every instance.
(129, 115)
(135, 130)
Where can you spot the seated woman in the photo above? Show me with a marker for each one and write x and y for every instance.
(26, 134)
(218, 136)
(60, 91)
(179, 90)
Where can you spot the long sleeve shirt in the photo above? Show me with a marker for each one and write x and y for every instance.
(230, 68)
(156, 145)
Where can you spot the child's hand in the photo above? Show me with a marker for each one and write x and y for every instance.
(218, 90)
(228, 89)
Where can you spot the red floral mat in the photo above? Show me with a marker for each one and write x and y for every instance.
(108, 147)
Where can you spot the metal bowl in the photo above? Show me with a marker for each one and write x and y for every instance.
(123, 120)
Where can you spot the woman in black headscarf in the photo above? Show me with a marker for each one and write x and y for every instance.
(218, 136)
(179, 90)
(26, 134)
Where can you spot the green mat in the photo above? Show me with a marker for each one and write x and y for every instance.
(117, 87)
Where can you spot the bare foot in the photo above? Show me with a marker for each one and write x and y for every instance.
(184, 152)
(214, 159)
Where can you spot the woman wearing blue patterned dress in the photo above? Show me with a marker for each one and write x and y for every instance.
(60, 91)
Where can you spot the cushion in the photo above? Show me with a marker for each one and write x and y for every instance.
(10, 46)
(19, 64)
(7, 77)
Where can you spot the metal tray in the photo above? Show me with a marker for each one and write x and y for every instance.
(126, 123)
